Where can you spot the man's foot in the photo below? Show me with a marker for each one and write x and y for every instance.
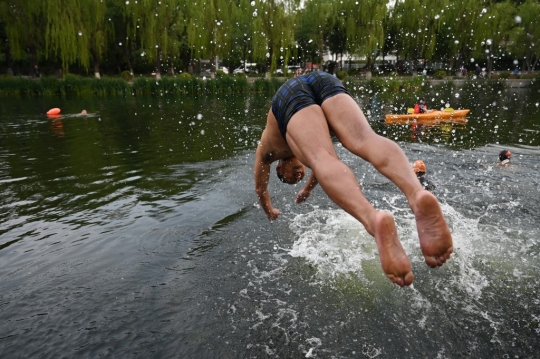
(394, 261)
(435, 237)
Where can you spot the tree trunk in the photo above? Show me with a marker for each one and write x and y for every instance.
(489, 62)
(95, 59)
(128, 56)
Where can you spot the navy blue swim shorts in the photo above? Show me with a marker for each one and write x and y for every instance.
(303, 91)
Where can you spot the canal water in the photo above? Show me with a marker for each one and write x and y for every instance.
(134, 232)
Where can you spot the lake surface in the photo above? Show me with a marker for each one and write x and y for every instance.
(134, 232)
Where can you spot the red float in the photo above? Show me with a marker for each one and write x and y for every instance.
(53, 111)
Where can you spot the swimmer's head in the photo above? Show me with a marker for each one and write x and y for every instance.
(505, 155)
(290, 170)
(419, 167)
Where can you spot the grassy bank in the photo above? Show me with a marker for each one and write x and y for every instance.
(75, 85)
(187, 85)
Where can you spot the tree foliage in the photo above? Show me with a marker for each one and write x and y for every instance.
(121, 34)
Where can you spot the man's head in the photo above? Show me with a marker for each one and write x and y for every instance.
(290, 170)
(419, 167)
(505, 155)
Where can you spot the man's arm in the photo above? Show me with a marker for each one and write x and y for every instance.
(305, 192)
(261, 171)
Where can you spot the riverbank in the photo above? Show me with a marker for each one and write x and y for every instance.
(191, 85)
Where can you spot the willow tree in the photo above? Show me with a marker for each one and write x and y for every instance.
(419, 22)
(312, 29)
(273, 31)
(525, 37)
(457, 32)
(495, 24)
(363, 20)
(209, 26)
(241, 32)
(23, 23)
(153, 25)
(76, 31)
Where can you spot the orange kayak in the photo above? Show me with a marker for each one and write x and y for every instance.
(430, 116)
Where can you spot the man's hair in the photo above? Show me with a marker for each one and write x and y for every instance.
(504, 155)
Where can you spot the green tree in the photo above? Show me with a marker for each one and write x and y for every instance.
(416, 26)
(75, 31)
(23, 23)
(364, 32)
(312, 29)
(154, 25)
(273, 31)
(525, 37)
(494, 27)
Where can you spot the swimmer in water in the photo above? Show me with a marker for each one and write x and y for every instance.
(504, 157)
(304, 112)
(419, 167)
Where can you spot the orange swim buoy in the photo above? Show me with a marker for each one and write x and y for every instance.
(53, 111)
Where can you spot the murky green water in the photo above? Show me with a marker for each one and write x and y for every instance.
(134, 232)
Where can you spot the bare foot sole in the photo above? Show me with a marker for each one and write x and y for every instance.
(394, 261)
(435, 237)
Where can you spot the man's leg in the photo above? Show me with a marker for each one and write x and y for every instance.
(351, 127)
(309, 138)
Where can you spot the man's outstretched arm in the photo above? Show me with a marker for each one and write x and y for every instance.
(305, 192)
(261, 171)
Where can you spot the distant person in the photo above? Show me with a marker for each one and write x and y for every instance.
(504, 157)
(305, 111)
(37, 74)
(478, 70)
(417, 130)
(419, 168)
(421, 106)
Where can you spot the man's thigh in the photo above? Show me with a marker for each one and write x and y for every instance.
(308, 135)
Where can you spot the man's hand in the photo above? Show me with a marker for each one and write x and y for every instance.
(273, 214)
(302, 195)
